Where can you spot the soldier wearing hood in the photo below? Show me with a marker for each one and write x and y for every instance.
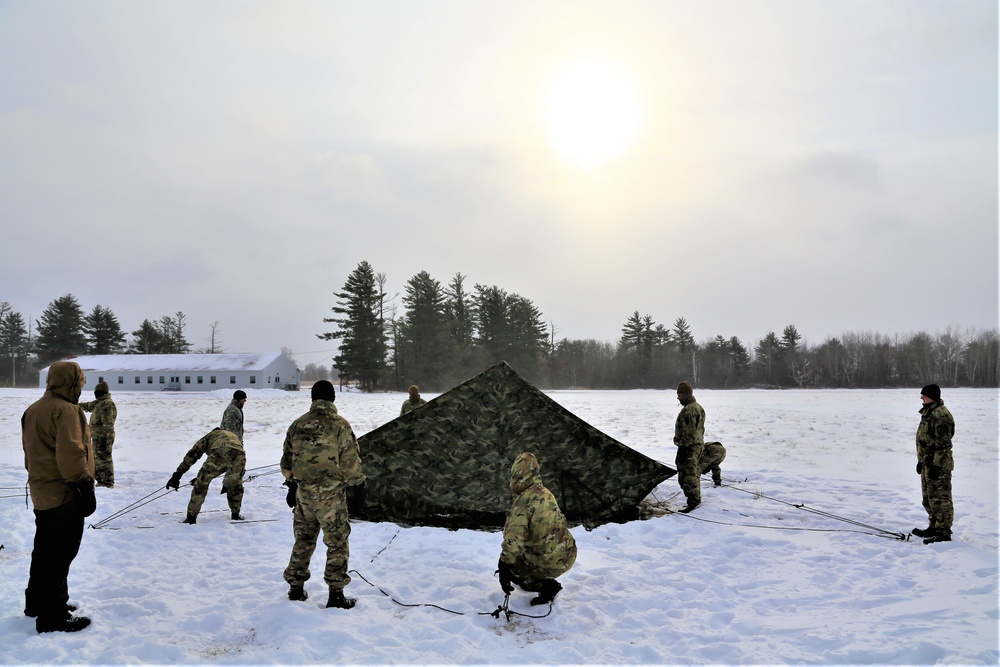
(60, 464)
(102, 431)
(537, 545)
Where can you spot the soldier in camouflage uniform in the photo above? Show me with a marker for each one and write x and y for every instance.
(689, 436)
(934, 465)
(711, 456)
(224, 455)
(102, 432)
(537, 545)
(232, 418)
(320, 459)
(414, 400)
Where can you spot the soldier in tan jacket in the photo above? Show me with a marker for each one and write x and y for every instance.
(60, 464)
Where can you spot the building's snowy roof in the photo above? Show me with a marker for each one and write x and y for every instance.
(174, 362)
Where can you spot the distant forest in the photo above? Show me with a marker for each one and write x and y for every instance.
(437, 335)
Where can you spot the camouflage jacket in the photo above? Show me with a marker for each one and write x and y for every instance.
(102, 422)
(320, 449)
(934, 434)
(232, 419)
(410, 404)
(535, 533)
(690, 426)
(215, 439)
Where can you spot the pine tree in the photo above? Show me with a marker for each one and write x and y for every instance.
(361, 329)
(424, 334)
(103, 332)
(13, 344)
(60, 330)
(147, 339)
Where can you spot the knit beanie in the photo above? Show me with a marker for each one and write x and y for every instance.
(101, 389)
(685, 388)
(323, 390)
(239, 395)
(931, 391)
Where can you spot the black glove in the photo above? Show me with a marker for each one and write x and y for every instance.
(920, 467)
(85, 495)
(504, 570)
(933, 471)
(293, 489)
(175, 481)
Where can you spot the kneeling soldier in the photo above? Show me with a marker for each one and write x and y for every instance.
(537, 545)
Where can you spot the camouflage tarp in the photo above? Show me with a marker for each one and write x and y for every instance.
(447, 463)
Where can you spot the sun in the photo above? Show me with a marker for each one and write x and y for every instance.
(592, 112)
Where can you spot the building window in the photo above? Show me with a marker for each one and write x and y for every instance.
(137, 381)
(212, 379)
(161, 379)
(187, 379)
(232, 379)
(100, 378)
(201, 380)
(149, 379)
(253, 379)
(121, 380)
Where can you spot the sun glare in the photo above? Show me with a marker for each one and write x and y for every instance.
(592, 113)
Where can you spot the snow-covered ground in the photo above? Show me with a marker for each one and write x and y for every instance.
(746, 578)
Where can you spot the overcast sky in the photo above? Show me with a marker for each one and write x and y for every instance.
(744, 165)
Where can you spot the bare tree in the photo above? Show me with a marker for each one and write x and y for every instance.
(213, 340)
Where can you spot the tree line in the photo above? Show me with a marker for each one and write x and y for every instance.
(65, 330)
(437, 335)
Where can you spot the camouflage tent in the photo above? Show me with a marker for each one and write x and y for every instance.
(447, 463)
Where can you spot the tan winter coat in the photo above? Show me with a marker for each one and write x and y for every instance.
(56, 438)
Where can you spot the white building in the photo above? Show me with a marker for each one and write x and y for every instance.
(186, 372)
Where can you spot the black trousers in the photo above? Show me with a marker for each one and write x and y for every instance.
(58, 533)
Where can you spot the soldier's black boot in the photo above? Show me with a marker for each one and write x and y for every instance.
(717, 478)
(690, 506)
(550, 589)
(923, 532)
(939, 535)
(190, 518)
(338, 600)
(237, 516)
(63, 623)
(297, 593)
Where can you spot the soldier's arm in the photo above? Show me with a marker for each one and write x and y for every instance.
(350, 459)
(195, 453)
(88, 405)
(515, 532)
(286, 455)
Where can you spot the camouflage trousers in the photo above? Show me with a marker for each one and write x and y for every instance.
(104, 465)
(713, 454)
(528, 580)
(936, 492)
(689, 471)
(221, 461)
(316, 509)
